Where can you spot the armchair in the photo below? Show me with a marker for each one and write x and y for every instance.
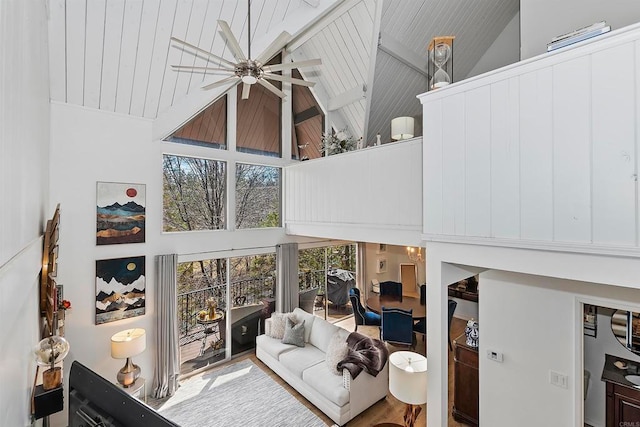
(397, 326)
(361, 315)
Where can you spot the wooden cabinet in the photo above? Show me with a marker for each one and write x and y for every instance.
(623, 405)
(466, 382)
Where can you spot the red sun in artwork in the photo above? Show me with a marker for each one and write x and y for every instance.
(132, 192)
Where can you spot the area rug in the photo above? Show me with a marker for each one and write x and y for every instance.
(240, 394)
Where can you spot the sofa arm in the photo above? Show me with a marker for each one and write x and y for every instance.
(267, 326)
(365, 390)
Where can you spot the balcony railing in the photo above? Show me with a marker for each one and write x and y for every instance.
(243, 292)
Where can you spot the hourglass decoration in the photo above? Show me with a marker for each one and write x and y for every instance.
(440, 66)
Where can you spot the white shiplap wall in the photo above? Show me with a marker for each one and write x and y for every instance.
(544, 152)
(370, 195)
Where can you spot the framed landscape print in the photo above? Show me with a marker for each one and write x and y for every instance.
(120, 288)
(120, 213)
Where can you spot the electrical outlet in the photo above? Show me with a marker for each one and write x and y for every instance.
(558, 379)
(496, 356)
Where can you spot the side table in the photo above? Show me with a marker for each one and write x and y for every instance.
(138, 389)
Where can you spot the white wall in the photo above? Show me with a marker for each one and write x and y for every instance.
(369, 195)
(594, 350)
(541, 153)
(541, 20)
(89, 146)
(24, 141)
(503, 51)
(540, 335)
(535, 301)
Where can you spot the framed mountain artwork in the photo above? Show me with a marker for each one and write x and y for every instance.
(120, 288)
(120, 213)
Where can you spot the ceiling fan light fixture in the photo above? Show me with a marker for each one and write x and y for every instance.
(249, 79)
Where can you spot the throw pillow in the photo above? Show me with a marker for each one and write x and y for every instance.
(277, 324)
(337, 350)
(293, 333)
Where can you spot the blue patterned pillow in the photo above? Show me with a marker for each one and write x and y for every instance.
(293, 333)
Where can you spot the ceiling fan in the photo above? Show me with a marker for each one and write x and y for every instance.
(246, 69)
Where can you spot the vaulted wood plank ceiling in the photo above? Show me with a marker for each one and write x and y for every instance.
(115, 55)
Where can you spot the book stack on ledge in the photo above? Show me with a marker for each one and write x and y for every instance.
(578, 35)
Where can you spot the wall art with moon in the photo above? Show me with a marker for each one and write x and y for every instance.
(120, 213)
(120, 288)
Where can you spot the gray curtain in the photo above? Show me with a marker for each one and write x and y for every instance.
(287, 277)
(165, 377)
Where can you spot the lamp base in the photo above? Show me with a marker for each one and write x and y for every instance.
(129, 373)
(411, 414)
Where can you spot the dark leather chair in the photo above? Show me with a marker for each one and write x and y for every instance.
(391, 288)
(397, 326)
(421, 326)
(361, 315)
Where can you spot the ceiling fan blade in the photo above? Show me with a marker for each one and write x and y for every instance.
(245, 90)
(232, 41)
(195, 69)
(217, 58)
(274, 47)
(287, 79)
(291, 65)
(272, 88)
(220, 82)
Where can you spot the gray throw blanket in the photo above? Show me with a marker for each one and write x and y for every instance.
(365, 353)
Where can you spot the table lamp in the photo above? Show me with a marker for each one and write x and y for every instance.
(124, 345)
(402, 128)
(408, 382)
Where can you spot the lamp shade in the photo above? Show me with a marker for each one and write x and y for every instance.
(408, 377)
(128, 343)
(402, 128)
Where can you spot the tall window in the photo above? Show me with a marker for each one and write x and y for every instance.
(194, 193)
(257, 196)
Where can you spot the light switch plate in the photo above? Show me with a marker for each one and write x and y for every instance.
(496, 356)
(558, 379)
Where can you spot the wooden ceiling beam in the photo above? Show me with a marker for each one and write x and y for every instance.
(305, 115)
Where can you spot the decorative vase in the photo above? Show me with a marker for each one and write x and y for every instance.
(471, 332)
(211, 305)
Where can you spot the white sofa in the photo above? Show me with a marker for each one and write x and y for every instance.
(340, 397)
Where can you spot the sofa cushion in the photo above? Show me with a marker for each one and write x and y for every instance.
(328, 385)
(278, 324)
(293, 333)
(273, 346)
(337, 350)
(321, 333)
(301, 358)
(308, 321)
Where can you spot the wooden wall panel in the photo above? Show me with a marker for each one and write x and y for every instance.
(572, 150)
(613, 146)
(536, 155)
(477, 163)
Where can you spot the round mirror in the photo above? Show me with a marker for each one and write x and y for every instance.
(626, 328)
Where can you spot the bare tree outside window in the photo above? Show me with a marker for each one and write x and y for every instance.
(257, 196)
(194, 194)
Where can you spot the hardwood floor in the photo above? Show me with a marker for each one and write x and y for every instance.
(386, 410)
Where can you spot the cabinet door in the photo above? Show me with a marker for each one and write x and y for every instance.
(466, 399)
(627, 409)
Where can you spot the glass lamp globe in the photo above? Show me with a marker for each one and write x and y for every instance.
(51, 350)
